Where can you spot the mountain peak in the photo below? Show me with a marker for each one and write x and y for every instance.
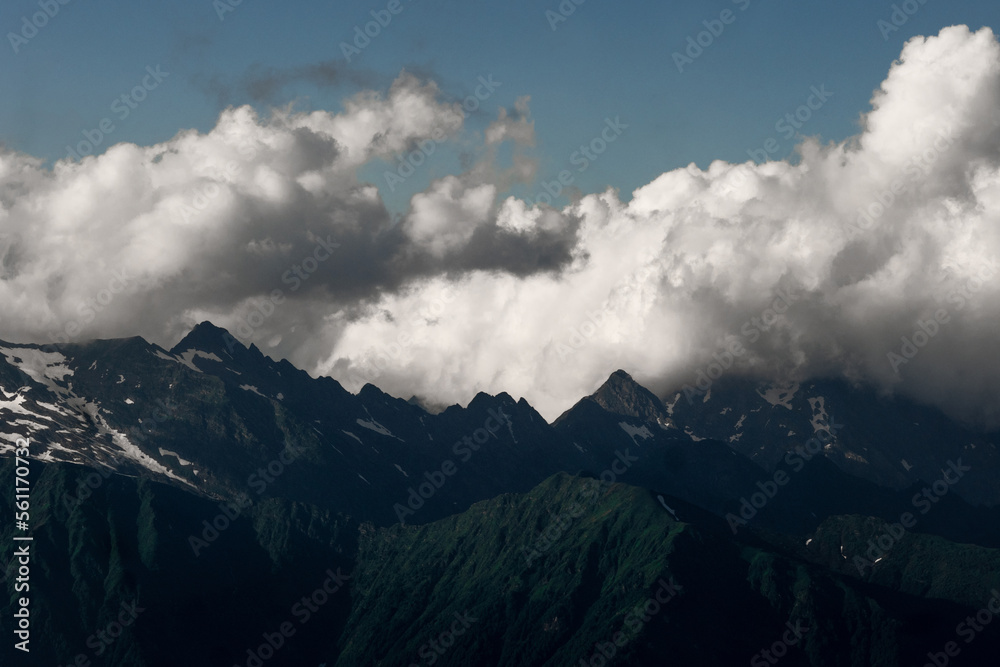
(623, 395)
(208, 338)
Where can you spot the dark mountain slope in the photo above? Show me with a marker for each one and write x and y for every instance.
(549, 601)
(130, 542)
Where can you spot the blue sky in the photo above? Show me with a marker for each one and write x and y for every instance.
(607, 59)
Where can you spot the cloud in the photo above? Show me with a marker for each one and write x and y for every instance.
(517, 126)
(149, 240)
(874, 236)
(878, 238)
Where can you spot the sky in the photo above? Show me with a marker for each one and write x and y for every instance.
(606, 59)
(517, 196)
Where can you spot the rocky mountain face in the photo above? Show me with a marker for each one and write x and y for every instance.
(224, 421)
(216, 487)
(890, 441)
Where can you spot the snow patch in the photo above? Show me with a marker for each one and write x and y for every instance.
(820, 419)
(667, 507)
(634, 431)
(130, 450)
(31, 426)
(17, 406)
(51, 408)
(375, 426)
(47, 368)
(400, 469)
(852, 456)
(129, 401)
(167, 452)
(187, 358)
(163, 355)
(250, 387)
(510, 429)
(780, 394)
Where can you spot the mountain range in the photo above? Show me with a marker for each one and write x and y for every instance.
(247, 508)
